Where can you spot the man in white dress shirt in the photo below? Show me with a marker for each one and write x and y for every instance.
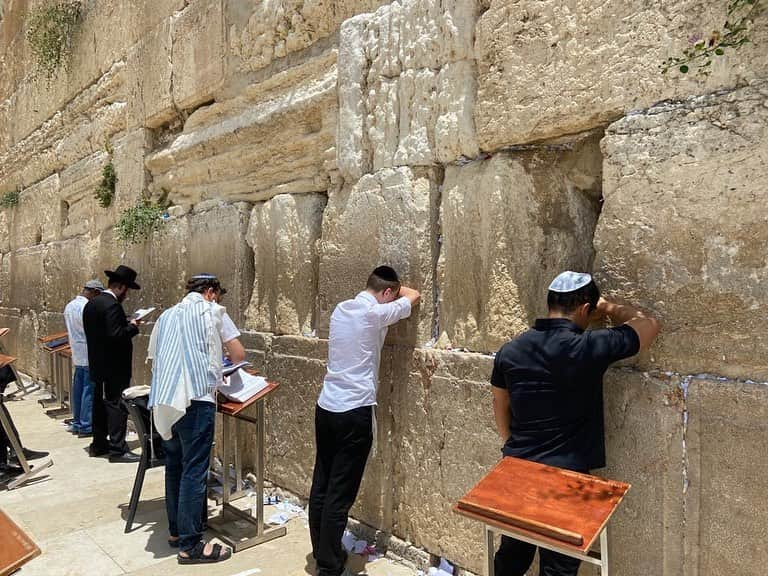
(82, 387)
(344, 416)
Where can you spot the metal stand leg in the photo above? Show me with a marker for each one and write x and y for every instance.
(228, 533)
(19, 451)
(489, 552)
(604, 552)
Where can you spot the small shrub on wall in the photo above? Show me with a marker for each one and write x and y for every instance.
(139, 222)
(50, 31)
(10, 199)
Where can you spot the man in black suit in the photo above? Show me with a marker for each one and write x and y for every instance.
(108, 333)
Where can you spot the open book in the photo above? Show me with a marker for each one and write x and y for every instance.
(240, 386)
(141, 313)
(229, 368)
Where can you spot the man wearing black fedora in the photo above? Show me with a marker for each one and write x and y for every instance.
(109, 335)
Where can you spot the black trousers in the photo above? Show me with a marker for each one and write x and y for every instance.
(343, 441)
(110, 418)
(515, 557)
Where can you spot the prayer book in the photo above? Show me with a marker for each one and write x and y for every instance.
(229, 368)
(141, 313)
(240, 386)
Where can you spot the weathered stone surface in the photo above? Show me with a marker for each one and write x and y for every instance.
(290, 444)
(21, 341)
(78, 183)
(198, 52)
(26, 290)
(37, 217)
(645, 435)
(217, 245)
(271, 139)
(445, 442)
(510, 224)
(548, 68)
(67, 266)
(683, 231)
(282, 233)
(726, 441)
(386, 218)
(150, 72)
(406, 86)
(266, 31)
(6, 218)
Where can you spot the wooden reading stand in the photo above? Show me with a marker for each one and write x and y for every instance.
(16, 548)
(59, 360)
(21, 389)
(28, 471)
(231, 412)
(546, 506)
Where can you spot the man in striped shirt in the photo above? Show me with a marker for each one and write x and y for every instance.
(186, 347)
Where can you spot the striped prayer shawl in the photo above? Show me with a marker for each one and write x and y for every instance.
(186, 350)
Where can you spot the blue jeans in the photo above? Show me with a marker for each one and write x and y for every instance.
(82, 400)
(187, 456)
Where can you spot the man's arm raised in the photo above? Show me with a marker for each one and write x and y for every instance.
(646, 326)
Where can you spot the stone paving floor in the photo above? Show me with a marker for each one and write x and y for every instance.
(76, 514)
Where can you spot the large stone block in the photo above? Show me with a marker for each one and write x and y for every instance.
(645, 437)
(21, 341)
(553, 67)
(727, 442)
(291, 410)
(510, 224)
(27, 273)
(271, 138)
(680, 231)
(282, 233)
(78, 183)
(217, 245)
(149, 69)
(262, 32)
(386, 218)
(67, 266)
(406, 86)
(38, 216)
(197, 52)
(6, 218)
(445, 440)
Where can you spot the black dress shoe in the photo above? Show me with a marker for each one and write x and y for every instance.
(85, 434)
(125, 457)
(31, 454)
(11, 470)
(97, 452)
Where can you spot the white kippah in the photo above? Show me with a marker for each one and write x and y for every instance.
(570, 281)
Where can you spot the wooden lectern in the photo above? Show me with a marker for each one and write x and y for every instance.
(546, 506)
(231, 412)
(60, 361)
(16, 548)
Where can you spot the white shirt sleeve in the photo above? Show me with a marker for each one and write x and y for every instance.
(228, 329)
(392, 312)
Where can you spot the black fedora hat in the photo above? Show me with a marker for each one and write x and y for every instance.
(124, 275)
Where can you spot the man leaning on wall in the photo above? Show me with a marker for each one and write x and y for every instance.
(345, 417)
(548, 393)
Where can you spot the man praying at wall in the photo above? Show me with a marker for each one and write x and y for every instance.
(186, 347)
(345, 412)
(109, 336)
(548, 394)
(82, 387)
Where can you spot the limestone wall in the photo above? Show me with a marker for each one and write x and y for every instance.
(479, 146)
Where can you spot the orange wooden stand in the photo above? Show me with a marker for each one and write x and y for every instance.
(550, 507)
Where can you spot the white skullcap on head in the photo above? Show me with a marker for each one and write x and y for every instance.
(570, 281)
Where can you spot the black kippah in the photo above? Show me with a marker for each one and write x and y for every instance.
(386, 273)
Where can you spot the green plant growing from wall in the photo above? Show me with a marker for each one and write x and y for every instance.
(139, 222)
(105, 191)
(10, 199)
(735, 33)
(50, 32)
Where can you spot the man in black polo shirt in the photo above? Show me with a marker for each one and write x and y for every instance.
(548, 393)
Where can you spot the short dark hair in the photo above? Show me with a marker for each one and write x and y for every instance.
(114, 283)
(567, 302)
(382, 278)
(202, 282)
